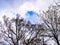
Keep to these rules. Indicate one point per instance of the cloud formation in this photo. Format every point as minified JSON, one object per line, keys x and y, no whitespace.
{"x":22,"y":6}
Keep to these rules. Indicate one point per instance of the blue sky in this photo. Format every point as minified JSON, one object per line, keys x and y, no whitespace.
{"x":32,"y":17}
{"x":5,"y":3}
{"x":31,"y":13}
{"x":11,"y":7}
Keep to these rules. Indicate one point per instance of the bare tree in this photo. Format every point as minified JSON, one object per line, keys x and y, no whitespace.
{"x":51,"y":20}
{"x":15,"y":29}
{"x":12,"y":28}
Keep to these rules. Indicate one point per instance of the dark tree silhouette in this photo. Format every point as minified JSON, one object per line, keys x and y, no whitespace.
{"x":15,"y":30}
{"x":51,"y":20}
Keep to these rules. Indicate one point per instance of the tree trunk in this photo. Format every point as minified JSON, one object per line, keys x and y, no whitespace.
{"x":17,"y":42}
{"x":56,"y":37}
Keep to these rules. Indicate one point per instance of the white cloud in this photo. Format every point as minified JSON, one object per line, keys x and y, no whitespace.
{"x":42,"y":4}
{"x":7,"y":12}
{"x":36,"y":6}
{"x":27,"y":7}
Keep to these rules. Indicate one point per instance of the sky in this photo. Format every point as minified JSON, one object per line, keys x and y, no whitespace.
{"x":28,"y":9}
{"x":11,"y":7}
